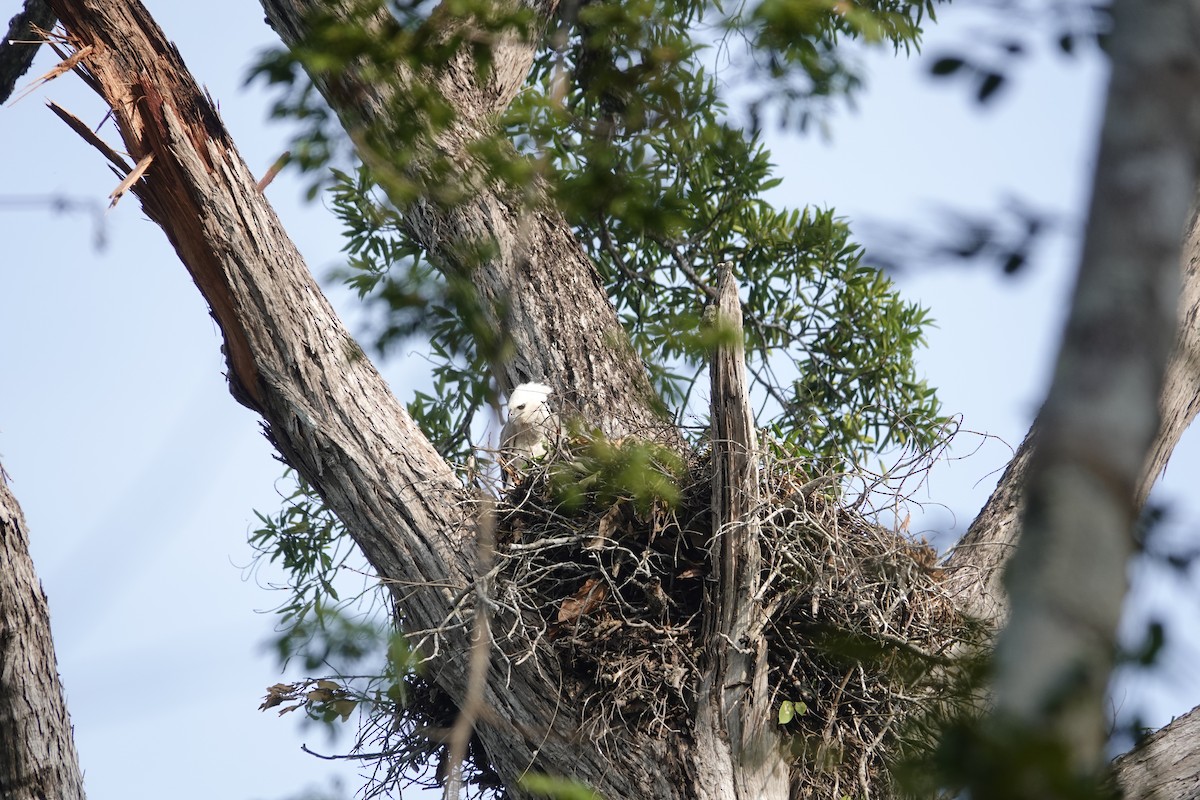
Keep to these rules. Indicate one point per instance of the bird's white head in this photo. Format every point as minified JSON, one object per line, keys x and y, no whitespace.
{"x":527,"y":403}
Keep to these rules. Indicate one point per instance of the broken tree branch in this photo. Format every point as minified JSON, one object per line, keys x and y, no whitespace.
{"x":733,"y":717}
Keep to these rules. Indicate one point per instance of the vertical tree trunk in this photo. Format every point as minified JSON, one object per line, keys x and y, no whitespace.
{"x":738,"y":754}
{"x":37,"y":749}
{"x":1066,"y":582}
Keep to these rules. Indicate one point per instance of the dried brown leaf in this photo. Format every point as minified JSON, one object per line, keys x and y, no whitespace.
{"x":277,"y":694}
{"x":605,"y":529}
{"x":344,"y":708}
{"x":589,"y":596}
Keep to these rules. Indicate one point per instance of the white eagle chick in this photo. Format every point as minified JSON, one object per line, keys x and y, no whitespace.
{"x":530,"y":428}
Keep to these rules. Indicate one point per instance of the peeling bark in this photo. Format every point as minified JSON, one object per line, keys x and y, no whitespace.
{"x":37,"y":747}
{"x":733,"y":718}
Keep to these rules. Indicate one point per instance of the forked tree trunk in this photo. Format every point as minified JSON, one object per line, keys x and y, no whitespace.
{"x":37,"y":749}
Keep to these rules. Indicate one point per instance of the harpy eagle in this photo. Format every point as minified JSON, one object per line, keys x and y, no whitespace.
{"x":529,"y":429}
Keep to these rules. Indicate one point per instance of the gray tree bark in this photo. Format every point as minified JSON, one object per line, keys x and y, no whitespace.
{"x":37,"y":746}
{"x":1166,"y":766}
{"x":536,"y":255}
{"x":1066,"y":580}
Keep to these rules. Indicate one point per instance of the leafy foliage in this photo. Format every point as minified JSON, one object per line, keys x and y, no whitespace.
{"x":662,"y":188}
{"x":346,"y":638}
{"x":1003,"y":762}
{"x":539,"y":785}
{"x":389,"y":271}
{"x":997,"y":52}
{"x":799,"y":53}
{"x":309,"y":544}
{"x":603,"y":472}
{"x":625,"y":127}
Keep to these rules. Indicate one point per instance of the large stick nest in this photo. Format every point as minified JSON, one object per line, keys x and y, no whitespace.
{"x":859,"y":623}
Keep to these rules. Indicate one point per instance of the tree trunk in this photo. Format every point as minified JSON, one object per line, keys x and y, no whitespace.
{"x":1066,"y":580}
{"x":328,"y":411}
{"x":539,"y":273}
{"x":37,"y":747}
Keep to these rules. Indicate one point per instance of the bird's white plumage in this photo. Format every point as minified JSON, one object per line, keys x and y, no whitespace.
{"x":530,"y":425}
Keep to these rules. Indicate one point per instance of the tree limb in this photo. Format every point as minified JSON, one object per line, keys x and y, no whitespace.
{"x":1166,"y":766}
{"x":37,"y":748}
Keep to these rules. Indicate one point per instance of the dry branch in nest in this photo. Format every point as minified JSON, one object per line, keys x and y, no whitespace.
{"x":858,"y":624}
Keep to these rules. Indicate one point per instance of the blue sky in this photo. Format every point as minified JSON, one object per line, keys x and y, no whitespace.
{"x":139,"y":475}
